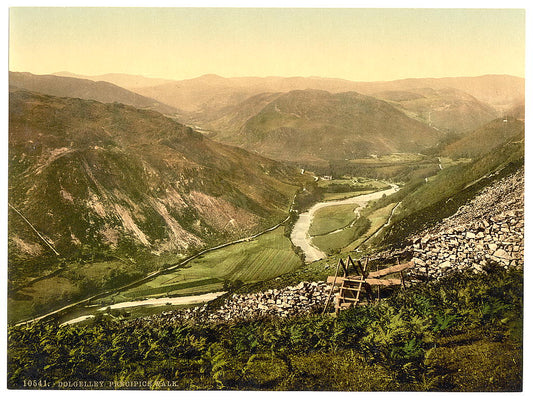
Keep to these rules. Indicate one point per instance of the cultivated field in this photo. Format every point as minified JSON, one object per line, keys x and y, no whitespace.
{"x":329,"y":219}
{"x":263,"y":258}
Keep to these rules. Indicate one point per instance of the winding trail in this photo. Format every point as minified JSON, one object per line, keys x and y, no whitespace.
{"x":300,"y":234}
{"x":160,"y":301}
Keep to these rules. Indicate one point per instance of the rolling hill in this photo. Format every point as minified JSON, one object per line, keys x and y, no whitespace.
{"x":313,"y":125}
{"x":485,"y":139}
{"x":104,"y":92}
{"x":208,"y":94}
{"x":449,"y":110}
{"x":96,"y":178}
{"x":126,"y":81}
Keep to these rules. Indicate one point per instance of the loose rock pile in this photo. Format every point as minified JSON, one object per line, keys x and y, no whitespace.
{"x":488,"y":228}
{"x":292,"y":300}
{"x":302,"y":298}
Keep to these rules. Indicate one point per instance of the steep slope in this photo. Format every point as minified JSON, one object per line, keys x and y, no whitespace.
{"x":449,"y":110}
{"x":312,"y":125}
{"x":486,"y":139}
{"x":84,"y":89}
{"x":488,"y":229}
{"x":427,"y":202}
{"x":97,"y":178}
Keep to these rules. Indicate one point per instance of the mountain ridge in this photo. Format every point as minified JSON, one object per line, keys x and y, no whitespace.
{"x":102,"y":91}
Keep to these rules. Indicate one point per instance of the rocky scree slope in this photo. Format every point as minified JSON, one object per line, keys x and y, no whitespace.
{"x":490,"y":228}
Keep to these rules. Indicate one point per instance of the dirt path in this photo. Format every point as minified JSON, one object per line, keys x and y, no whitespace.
{"x":163,"y":301}
{"x":300,"y":234}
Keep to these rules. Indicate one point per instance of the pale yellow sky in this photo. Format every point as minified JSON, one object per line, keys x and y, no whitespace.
{"x":355,"y":44}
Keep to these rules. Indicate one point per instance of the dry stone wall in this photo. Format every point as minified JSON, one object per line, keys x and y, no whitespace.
{"x":292,"y":300}
{"x":490,"y":228}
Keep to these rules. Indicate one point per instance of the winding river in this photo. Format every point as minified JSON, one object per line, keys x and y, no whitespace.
{"x":299,"y":237}
{"x":300,"y":234}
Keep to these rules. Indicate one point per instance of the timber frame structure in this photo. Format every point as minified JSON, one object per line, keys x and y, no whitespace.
{"x":351,"y":286}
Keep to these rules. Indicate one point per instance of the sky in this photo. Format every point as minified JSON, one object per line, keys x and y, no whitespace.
{"x":354,"y":44}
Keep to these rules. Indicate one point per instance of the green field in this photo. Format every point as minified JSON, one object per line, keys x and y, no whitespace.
{"x":352,"y":236}
{"x":334,"y":242}
{"x":345,"y":195}
{"x":329,"y":219}
{"x":263,"y":258}
{"x":377,"y":218}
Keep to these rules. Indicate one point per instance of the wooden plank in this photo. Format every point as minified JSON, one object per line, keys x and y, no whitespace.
{"x":370,"y":281}
{"x":390,"y":270}
{"x":340,"y":279}
{"x":352,"y":299}
{"x":351,"y":289}
{"x":384,"y":282}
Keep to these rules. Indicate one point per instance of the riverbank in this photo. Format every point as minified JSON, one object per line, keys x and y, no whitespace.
{"x":300,"y":234}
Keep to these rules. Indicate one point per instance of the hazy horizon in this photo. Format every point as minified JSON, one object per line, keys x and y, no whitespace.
{"x":362,"y":45}
{"x":74,"y":74}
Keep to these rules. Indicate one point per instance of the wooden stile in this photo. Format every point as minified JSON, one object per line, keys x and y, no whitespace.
{"x":351,"y":286}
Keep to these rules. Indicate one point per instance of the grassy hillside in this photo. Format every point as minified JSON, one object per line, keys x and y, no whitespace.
{"x":425,"y":203}
{"x":449,"y":110}
{"x":107,"y":179}
{"x":263,"y":258}
{"x":313,"y":125}
{"x":485,"y":139}
{"x":104,"y":92}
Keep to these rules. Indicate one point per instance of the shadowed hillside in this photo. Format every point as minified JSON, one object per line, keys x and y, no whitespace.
{"x":486,"y":138}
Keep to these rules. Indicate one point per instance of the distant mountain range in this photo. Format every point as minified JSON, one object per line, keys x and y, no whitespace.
{"x":210,"y":92}
{"x":126,"y":81}
{"x":193,"y":95}
{"x":104,"y":92}
{"x":115,"y":179}
{"x":316,"y":118}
